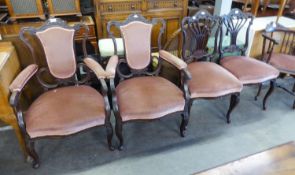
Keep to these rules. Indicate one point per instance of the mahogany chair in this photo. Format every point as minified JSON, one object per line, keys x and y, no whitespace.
{"x":249,"y":71}
{"x":209,"y":80}
{"x":279,"y":51}
{"x":141,"y":94}
{"x":68,"y":105}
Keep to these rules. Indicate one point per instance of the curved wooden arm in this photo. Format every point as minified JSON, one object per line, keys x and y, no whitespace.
{"x":22,"y":78}
{"x":112,"y":66}
{"x":95,"y":67}
{"x":177,"y":62}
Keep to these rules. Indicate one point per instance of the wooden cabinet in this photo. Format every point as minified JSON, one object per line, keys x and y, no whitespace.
{"x":172,"y":11}
{"x":9,"y":68}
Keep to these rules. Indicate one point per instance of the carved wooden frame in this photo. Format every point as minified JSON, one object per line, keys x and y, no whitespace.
{"x":201,"y":25}
{"x":15,"y":96}
{"x":143,"y":72}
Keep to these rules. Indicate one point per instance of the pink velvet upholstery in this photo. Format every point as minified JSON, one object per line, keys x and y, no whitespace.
{"x":210,"y":80}
{"x":249,"y":70}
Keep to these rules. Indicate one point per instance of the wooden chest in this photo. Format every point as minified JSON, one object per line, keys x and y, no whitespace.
{"x":172,"y":11}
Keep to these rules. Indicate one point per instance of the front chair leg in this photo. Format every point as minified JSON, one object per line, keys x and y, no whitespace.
{"x":119,"y":134}
{"x":185,"y":118}
{"x":269,"y":92}
{"x":259,"y":90}
{"x":34,"y":158}
{"x":294,"y":87}
{"x":109,"y":129}
{"x":234,"y":101}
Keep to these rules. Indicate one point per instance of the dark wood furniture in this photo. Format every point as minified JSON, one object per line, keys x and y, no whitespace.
{"x":142,"y":94}
{"x":209,"y":80}
{"x":22,"y":9}
{"x":9,"y":68}
{"x":279,"y":51}
{"x":63,"y":8}
{"x":279,"y":160}
{"x":248,"y":70}
{"x":9,"y":32}
{"x":68,"y":104}
{"x":170,"y":10}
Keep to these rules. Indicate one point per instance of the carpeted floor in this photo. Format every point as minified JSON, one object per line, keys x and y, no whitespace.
{"x":156,"y":147}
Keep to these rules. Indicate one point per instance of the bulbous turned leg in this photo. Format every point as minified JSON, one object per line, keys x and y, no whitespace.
{"x":234,"y":101}
{"x":33,"y":156}
{"x":269,"y":92}
{"x":258,"y":92}
{"x":119,"y":134}
{"x":109,"y":129}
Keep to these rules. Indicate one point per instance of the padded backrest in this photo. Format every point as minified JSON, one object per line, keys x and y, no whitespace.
{"x":137,"y":41}
{"x":58,"y":45}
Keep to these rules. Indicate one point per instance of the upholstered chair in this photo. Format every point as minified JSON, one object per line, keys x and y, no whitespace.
{"x":249,"y":71}
{"x":141,"y":94}
{"x":209,"y":80}
{"x":68,"y":105}
{"x":279,"y":51}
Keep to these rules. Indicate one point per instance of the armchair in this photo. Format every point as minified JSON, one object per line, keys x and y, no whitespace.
{"x":279,"y":51}
{"x":68,"y":105}
{"x":248,"y":70}
{"x":209,"y":80}
{"x":141,"y":94}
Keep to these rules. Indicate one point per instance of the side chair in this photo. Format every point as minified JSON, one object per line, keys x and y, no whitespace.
{"x":68,"y":104}
{"x":141,"y":94}
{"x":249,"y":71}
{"x":209,"y":80}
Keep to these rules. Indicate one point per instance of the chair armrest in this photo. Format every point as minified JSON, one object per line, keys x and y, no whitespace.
{"x":270,"y":38}
{"x":177,"y":62}
{"x":95,"y":67}
{"x":22,"y":78}
{"x":112,"y":66}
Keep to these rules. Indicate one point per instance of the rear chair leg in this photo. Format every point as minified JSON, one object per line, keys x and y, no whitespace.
{"x":234,"y":101}
{"x":259,"y":90}
{"x":269,"y":92}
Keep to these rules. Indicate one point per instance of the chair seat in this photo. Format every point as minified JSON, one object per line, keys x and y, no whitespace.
{"x":65,"y":111}
{"x":285,"y":63}
{"x":148,"y":98}
{"x":210,"y":80}
{"x":249,"y":70}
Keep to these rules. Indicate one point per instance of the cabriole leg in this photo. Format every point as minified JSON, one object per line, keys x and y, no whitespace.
{"x":234,"y":101}
{"x":109,"y":129}
{"x":269,"y":92}
{"x":258,"y":92}
{"x":34,"y":158}
{"x":119,"y":134}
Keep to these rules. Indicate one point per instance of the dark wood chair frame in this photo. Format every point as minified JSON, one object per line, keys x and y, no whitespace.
{"x":202,"y":25}
{"x":287,"y":47}
{"x":74,"y":80}
{"x":143,"y":72}
{"x":233,"y":29}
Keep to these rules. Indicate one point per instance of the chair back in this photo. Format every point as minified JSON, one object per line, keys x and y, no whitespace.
{"x":233,"y":23}
{"x":136,"y":32}
{"x":197,"y":30}
{"x":57,"y":41}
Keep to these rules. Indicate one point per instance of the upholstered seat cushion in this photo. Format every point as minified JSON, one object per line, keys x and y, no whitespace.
{"x":211,"y":80}
{"x":285,"y":63}
{"x":249,"y":70}
{"x":65,"y":111}
{"x":148,"y":98}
